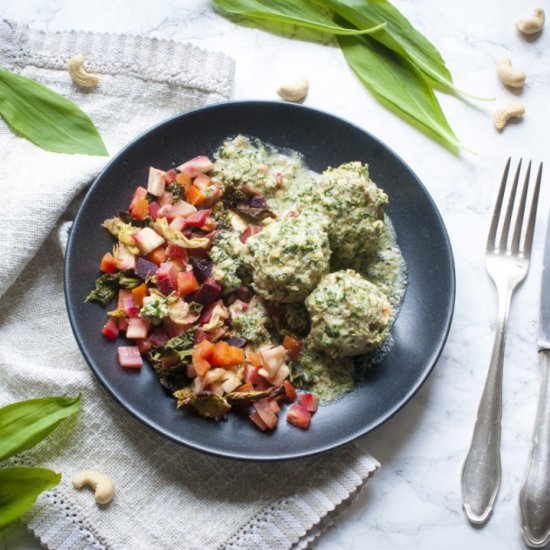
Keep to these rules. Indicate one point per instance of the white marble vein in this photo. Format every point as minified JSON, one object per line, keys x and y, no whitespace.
{"x":415,"y":500}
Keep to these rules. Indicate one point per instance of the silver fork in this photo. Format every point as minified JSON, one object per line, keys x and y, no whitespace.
{"x":507,"y":263}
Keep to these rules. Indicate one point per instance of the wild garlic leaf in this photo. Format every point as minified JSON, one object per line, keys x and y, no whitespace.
{"x":398,"y":35}
{"x":19,"y":487}
{"x":45,"y":118}
{"x":26,"y":423}
{"x":396,"y":84}
{"x":294,"y":12}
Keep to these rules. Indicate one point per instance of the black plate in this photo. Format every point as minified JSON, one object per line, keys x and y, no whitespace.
{"x":419,"y":332}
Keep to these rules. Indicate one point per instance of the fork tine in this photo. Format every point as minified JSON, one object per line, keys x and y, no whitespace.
{"x":508,"y":217}
{"x":532,"y":216}
{"x":498,"y":205}
{"x":514,"y":247}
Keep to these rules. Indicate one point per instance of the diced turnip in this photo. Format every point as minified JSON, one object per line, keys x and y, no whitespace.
{"x":196,"y":166}
{"x":170,"y":175}
{"x":138,"y":328}
{"x":156,"y":182}
{"x":255,"y":417}
{"x":272,"y":360}
{"x":129,"y":357}
{"x":144,"y":268}
{"x":198,"y":218}
{"x":263,"y":408}
{"x":124,"y":259}
{"x":165,"y":211}
{"x":167,"y":198}
{"x":281,"y":375}
{"x":298,"y":416}
{"x":182,"y":208}
{"x":147,"y":240}
{"x":178,"y":223}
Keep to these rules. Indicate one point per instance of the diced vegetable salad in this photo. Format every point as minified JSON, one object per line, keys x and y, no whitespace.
{"x":213,"y":343}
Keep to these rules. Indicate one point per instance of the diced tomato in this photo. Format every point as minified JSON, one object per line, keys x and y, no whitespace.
{"x":290,"y":392}
{"x":140,"y":210}
{"x":195,"y":196}
{"x":224,"y":355}
{"x":170,"y":176}
{"x":129,"y":357}
{"x":198,"y":218}
{"x":167,"y":277}
{"x":108,"y":263}
{"x":293,"y":346}
{"x":309,"y":401}
{"x":249,"y":231}
{"x":139,"y":194}
{"x":110,"y":329}
{"x":255,"y":417}
{"x":130,"y":307}
{"x":157,"y":256}
{"x":202,"y":181}
{"x":139,"y":293}
{"x":187,"y":283}
{"x":154,"y":208}
{"x":264,"y":409}
{"x":201,"y":353}
{"x":298,"y":416}
{"x":137,"y":328}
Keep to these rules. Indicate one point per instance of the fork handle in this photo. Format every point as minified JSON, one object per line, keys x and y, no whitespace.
{"x":534,"y":500}
{"x":481,"y":472}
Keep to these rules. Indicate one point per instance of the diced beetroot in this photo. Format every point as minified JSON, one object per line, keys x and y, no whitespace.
{"x":258,"y":201}
{"x":130,"y":307}
{"x":198,"y":218}
{"x":202,"y":268}
{"x":167,"y":198}
{"x":178,"y":223}
{"x":167,"y":277}
{"x":182,"y":208}
{"x":274,"y":406}
{"x":154,"y":207}
{"x":170,"y":176}
{"x":255,"y":417}
{"x":129,"y":357}
{"x":156,"y":182}
{"x":237,"y":342}
{"x":138,"y":328}
{"x":206,"y":314}
{"x":249,"y":231}
{"x":174,"y":252}
{"x":298,"y":416}
{"x":277,"y":312}
{"x":144,"y":268}
{"x":158,"y":337}
{"x":263,"y":408}
{"x":244,"y":293}
{"x":309,"y":401}
{"x":208,"y":292}
{"x":147,"y":240}
{"x":110,"y":330}
{"x":196,"y":166}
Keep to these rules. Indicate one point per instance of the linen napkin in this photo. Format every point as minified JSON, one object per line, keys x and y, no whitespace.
{"x":167,"y":496}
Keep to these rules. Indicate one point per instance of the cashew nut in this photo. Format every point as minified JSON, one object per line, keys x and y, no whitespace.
{"x":78,"y":73}
{"x":101,"y":483}
{"x":511,"y":109}
{"x":509,"y":75}
{"x":294,"y":90}
{"x":533,"y":24}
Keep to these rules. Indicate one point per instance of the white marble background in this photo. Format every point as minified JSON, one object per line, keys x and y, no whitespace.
{"x":415,"y":501}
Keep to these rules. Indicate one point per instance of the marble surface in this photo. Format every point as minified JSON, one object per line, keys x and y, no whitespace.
{"x":415,"y":500}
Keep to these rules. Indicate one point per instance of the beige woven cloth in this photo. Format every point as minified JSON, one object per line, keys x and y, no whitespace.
{"x":167,"y":496}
